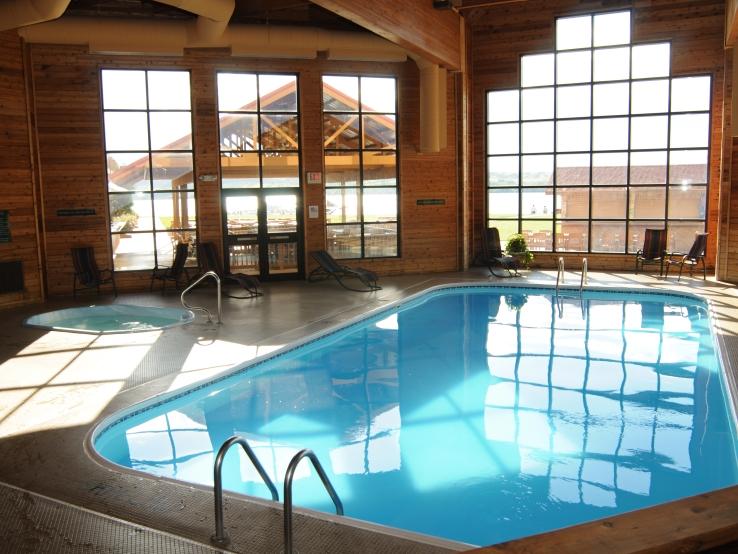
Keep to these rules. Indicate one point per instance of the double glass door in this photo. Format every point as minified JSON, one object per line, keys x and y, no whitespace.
{"x":263,"y":233}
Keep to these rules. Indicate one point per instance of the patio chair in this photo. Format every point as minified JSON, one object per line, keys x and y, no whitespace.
{"x":493,"y":257}
{"x":328,"y":267}
{"x":86,"y":273}
{"x":695,"y":255}
{"x":208,"y":259}
{"x":653,"y":251}
{"x":176,"y":272}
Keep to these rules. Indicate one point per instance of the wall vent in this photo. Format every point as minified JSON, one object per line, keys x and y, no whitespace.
{"x":11,"y":276}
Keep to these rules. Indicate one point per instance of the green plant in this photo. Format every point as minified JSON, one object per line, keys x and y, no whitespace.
{"x":517,"y":246}
{"x":125,"y":217}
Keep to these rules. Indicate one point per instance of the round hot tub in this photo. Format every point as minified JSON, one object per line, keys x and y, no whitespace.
{"x":114,"y":318}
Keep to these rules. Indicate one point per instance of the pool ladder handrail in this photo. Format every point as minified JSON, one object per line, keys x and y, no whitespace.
{"x":560,"y":273}
{"x":193,"y":285}
{"x":583,"y":281}
{"x":220,"y":537}
{"x":289,"y":474}
{"x":584,"y":278}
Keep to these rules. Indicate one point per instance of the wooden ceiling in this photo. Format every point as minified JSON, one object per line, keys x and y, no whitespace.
{"x":253,"y":12}
{"x":257,"y":12}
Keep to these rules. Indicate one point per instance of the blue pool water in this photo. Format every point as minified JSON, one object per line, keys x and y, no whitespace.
{"x":113,"y":318}
{"x":476,"y":414}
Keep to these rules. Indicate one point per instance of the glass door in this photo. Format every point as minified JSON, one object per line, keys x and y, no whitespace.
{"x":242,"y":233}
{"x":262,"y":233}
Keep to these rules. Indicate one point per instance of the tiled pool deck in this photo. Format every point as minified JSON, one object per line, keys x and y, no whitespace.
{"x":55,"y":386}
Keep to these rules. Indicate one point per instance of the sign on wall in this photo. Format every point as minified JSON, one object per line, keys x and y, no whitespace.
{"x":69,"y":212}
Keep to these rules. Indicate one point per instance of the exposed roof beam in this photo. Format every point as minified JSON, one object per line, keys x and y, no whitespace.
{"x":731,"y":23}
{"x":470,"y":4}
{"x":434,"y":35}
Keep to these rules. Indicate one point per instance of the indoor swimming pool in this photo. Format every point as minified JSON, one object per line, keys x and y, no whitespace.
{"x":477,"y":414}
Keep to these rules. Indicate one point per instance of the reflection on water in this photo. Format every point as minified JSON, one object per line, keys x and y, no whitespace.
{"x":479,"y":416}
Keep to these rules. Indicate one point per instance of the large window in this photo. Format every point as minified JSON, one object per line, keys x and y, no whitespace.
{"x":259,"y":146}
{"x":360,"y":147}
{"x":599,"y":143}
{"x":148,"y":148}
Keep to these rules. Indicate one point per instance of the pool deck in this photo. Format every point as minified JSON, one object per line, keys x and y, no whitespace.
{"x":56,"y":386}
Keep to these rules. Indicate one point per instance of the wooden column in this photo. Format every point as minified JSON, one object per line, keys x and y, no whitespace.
{"x":16,"y":172}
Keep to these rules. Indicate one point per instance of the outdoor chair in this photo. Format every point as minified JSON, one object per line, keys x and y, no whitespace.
{"x":695,"y":255}
{"x":654,"y":250}
{"x":86,"y":273}
{"x":176,"y":273}
{"x":328,"y":267}
{"x":209,"y":260}
{"x":493,"y":257}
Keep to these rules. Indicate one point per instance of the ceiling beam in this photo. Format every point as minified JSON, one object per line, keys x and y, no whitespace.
{"x":731,"y":23}
{"x":471,"y":4}
{"x":414,"y":25}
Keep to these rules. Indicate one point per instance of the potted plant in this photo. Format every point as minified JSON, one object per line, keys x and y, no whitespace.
{"x":518,"y":248}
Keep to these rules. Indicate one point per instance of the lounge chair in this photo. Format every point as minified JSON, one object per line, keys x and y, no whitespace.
{"x":328,"y":267}
{"x":654,"y":250}
{"x":86,"y":273}
{"x":209,"y":260}
{"x":176,"y":272}
{"x":493,"y":257}
{"x":695,"y":255}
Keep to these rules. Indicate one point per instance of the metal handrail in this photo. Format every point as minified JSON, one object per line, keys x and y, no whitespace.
{"x":560,"y":305}
{"x":193,"y":285}
{"x":288,"y":492}
{"x":584,"y":278}
{"x":221,"y":538}
{"x":560,"y":273}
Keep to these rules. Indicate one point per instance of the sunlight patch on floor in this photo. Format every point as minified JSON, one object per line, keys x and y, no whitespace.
{"x":56,"y":407}
{"x":103,"y":364}
{"x":207,"y":359}
{"x":66,"y":379}
{"x":35,"y":370}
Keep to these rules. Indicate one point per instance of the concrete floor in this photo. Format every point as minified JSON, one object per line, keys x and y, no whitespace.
{"x":55,"y":387}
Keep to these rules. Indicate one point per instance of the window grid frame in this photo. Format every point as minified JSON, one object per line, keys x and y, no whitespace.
{"x":361,"y":187}
{"x":628,"y":151}
{"x":260,"y":151}
{"x":151,"y":192}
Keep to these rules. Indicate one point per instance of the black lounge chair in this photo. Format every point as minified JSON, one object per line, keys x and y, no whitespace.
{"x":86,"y":272}
{"x":328,"y":267}
{"x":209,"y":260}
{"x":176,"y":272}
{"x":654,"y":250}
{"x":493,"y":257}
{"x":695,"y":255}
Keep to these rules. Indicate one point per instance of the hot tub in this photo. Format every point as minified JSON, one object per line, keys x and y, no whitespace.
{"x":114,"y":318}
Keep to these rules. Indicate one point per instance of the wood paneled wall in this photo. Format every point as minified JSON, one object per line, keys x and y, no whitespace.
{"x":16,"y":172}
{"x":71,"y":152}
{"x":499,"y":35}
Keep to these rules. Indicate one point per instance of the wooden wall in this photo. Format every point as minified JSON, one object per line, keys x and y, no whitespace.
{"x":16,"y":172}
{"x":499,"y":35}
{"x":68,"y":113}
